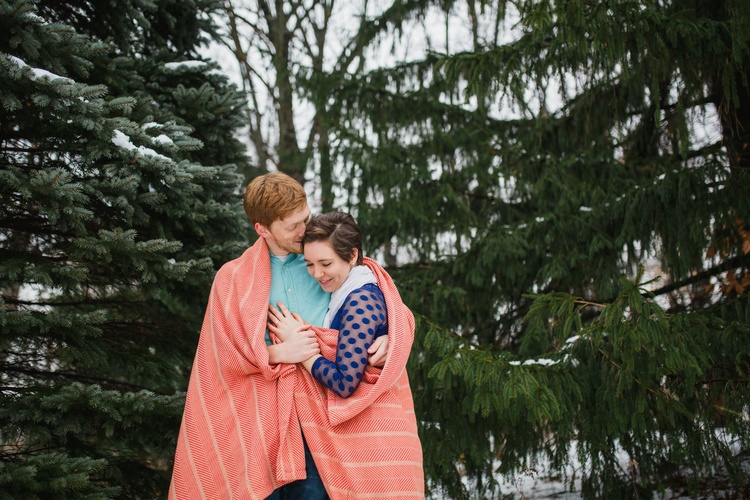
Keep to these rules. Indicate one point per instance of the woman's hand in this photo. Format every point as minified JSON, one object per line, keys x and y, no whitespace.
{"x":298,"y":342}
{"x":297,"y":348}
{"x":283,"y":323}
{"x":378,"y":352}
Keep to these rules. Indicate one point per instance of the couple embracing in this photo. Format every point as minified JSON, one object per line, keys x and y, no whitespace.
{"x":299,"y":387}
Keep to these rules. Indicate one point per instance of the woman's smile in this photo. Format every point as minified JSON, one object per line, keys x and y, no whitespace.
{"x":324,"y":282}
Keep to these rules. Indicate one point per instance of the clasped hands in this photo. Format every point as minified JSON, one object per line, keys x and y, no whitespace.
{"x":299,"y":343}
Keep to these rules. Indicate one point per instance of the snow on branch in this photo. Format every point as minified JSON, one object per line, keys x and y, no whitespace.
{"x":185,"y":64}
{"x":38,"y":73}
{"x":123,"y":141}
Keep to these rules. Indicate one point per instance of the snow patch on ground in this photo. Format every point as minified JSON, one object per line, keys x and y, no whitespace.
{"x":541,"y":482}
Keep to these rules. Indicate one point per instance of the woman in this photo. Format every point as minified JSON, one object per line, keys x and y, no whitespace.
{"x":332,"y":246}
{"x":358,"y":420}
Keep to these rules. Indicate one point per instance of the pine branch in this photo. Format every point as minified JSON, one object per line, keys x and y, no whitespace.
{"x":61,"y":375}
{"x":733,"y":263}
{"x":83,"y":301}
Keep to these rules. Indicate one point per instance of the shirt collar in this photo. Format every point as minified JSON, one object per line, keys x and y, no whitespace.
{"x":276,"y":261}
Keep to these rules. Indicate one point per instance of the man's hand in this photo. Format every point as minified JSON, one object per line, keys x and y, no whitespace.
{"x":378,"y":352}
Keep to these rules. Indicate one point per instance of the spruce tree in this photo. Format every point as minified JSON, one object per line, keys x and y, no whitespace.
{"x":570,"y":216}
{"x":118,"y":200}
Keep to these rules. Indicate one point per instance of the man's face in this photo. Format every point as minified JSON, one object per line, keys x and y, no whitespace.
{"x":284,"y":236}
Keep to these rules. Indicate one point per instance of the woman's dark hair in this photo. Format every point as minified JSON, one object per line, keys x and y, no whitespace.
{"x":340,"y":229}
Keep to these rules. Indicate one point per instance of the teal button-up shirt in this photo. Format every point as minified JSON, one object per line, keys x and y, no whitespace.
{"x":293,"y":286}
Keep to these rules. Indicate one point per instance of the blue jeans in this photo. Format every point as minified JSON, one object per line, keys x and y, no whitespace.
{"x":310,"y":488}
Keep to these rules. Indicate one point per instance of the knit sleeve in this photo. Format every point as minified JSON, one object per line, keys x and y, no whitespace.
{"x":361,"y":316}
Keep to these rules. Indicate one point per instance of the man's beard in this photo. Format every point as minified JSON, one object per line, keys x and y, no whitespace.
{"x":292,"y":248}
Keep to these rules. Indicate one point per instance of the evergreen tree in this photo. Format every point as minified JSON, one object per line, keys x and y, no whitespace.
{"x":568,"y":203}
{"x":118,"y":200}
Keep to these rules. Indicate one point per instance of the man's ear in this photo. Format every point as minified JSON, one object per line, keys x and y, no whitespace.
{"x":261,"y":230}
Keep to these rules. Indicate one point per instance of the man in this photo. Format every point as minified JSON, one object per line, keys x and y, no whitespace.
{"x":240,"y":436}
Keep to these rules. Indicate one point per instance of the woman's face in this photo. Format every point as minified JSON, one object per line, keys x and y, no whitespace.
{"x":326,"y":266}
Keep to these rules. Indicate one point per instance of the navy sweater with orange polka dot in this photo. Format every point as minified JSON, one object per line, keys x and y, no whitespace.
{"x":361,"y":319}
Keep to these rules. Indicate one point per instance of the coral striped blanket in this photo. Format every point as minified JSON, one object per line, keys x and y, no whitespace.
{"x":241,"y":429}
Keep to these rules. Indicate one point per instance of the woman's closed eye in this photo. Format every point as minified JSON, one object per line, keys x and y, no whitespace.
{"x":324,"y":264}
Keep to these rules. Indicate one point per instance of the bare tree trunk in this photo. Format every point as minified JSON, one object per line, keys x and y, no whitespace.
{"x":735,"y":119}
